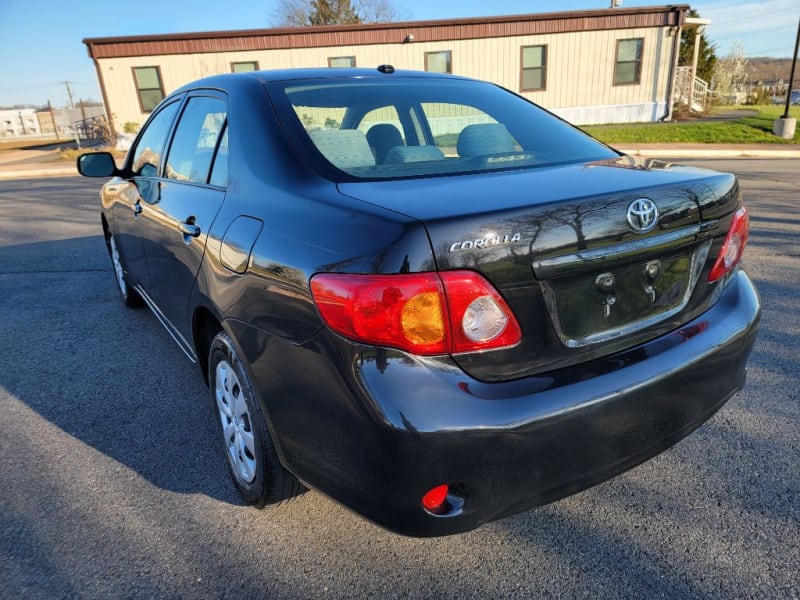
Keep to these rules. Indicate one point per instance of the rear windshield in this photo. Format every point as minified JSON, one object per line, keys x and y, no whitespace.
{"x":396,"y":127}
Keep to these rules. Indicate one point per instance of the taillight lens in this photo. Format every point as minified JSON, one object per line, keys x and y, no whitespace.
{"x":424,"y":313}
{"x":733,"y":246}
{"x":479,"y":317}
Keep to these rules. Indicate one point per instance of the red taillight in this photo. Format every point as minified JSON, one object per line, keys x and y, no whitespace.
{"x":435,"y":499}
{"x":424,"y":313}
{"x":733,"y":247}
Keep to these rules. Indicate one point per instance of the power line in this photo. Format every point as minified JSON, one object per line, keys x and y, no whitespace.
{"x":48,"y":84}
{"x":770,"y":14}
{"x":787,"y":57}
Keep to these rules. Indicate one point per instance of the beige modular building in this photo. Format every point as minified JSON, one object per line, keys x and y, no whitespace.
{"x":594,"y":66}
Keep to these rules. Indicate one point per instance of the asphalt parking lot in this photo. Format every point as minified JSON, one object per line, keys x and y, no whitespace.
{"x":111,"y":485}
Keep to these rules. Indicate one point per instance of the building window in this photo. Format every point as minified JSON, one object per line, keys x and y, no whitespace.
{"x":533,"y":75}
{"x":439,"y":62}
{"x":337,"y":62}
{"x":148,"y":87}
{"x":628,"y":67}
{"x":244,"y":67}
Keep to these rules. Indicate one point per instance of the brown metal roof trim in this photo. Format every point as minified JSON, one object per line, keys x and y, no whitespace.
{"x":385,"y":33}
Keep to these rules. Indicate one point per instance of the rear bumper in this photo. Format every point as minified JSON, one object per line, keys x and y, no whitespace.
{"x":389,"y":427}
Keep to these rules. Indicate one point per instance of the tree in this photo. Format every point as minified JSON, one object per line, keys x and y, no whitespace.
{"x":332,"y":12}
{"x":379,"y":11}
{"x":730,"y":74}
{"x":305,"y":13}
{"x":706,"y":58}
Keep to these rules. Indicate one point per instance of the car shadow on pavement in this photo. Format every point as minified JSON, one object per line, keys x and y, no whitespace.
{"x":105,"y":374}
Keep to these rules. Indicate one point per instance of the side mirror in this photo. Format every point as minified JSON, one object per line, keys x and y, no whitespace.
{"x":97,"y":164}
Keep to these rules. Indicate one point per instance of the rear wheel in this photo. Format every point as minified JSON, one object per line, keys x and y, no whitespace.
{"x":127,"y":293}
{"x":248,"y":447}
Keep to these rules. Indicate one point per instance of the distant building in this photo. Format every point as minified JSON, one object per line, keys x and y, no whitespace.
{"x":71,"y":121}
{"x":17,"y":122}
{"x":594,"y":66}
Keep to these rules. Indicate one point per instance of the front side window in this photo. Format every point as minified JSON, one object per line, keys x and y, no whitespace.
{"x":148,"y":87}
{"x":628,"y":67}
{"x":439,"y":62}
{"x":195,"y":140}
{"x":338,"y":62}
{"x":150,"y":146}
{"x":244,"y":67}
{"x":534,"y":68}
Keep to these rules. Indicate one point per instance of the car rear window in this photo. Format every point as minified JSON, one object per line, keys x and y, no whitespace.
{"x":400,"y":126}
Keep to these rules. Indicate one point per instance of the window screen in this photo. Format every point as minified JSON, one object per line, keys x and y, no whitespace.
{"x":628,"y":67}
{"x":342,"y":61}
{"x":439,"y":62}
{"x":534,"y":68}
{"x":148,"y":87}
{"x":244,"y":67}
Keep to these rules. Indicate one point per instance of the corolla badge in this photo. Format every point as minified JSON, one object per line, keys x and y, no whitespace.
{"x":487,"y":242}
{"x":642,"y":215}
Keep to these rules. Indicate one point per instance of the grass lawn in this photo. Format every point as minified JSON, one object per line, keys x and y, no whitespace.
{"x":756,"y":129}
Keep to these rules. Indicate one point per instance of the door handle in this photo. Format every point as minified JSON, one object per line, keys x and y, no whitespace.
{"x":137,"y":209}
{"x":189,"y":228}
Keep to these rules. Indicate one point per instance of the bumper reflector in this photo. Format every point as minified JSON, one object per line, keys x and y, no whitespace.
{"x":435,"y":500}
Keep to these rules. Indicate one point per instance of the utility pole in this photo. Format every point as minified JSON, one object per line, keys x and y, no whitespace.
{"x":791,"y":76}
{"x":84,"y":128}
{"x":53,"y":118}
{"x":69,"y":93}
{"x":785,"y":126}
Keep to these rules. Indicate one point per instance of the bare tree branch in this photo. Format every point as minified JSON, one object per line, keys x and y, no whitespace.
{"x":305,"y":13}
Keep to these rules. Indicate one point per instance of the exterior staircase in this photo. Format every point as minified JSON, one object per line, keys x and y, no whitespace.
{"x":691,"y":90}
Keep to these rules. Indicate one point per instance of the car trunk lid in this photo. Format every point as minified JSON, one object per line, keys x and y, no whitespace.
{"x":592,"y":258}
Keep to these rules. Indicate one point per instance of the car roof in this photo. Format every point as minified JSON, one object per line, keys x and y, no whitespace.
{"x":232,"y":80}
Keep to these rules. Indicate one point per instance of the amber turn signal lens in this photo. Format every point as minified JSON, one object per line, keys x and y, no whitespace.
{"x":421,"y":319}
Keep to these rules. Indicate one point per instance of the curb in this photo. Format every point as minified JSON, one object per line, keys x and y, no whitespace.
{"x":709,"y":153}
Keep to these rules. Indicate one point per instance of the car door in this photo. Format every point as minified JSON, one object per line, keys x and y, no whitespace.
{"x":127,"y":197}
{"x":191,"y":192}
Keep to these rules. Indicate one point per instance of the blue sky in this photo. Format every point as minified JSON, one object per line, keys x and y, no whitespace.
{"x":40,"y":45}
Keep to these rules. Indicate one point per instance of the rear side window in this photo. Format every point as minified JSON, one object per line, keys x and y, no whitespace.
{"x":150,"y":147}
{"x":196,"y":139}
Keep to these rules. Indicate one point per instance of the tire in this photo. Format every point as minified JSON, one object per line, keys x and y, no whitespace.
{"x":128,"y":295}
{"x":252,"y":459}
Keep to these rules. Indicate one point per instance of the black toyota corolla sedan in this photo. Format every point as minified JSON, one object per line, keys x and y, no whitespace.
{"x":424,"y":296}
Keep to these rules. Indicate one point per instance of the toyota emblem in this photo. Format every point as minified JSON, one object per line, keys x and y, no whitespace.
{"x":642,"y":215}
